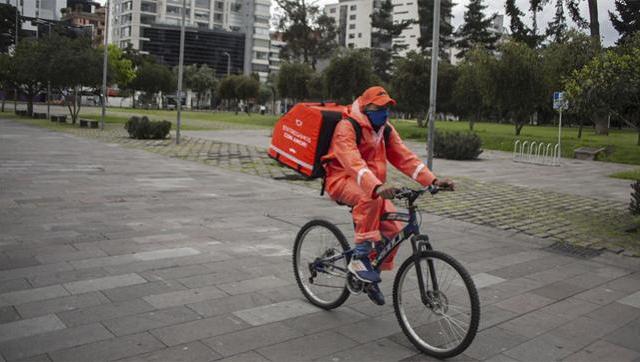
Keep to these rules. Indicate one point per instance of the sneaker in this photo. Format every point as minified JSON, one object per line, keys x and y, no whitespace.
{"x":360,"y":264}
{"x":374,"y":293}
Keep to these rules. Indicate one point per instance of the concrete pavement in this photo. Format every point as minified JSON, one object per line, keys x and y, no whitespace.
{"x":111,"y":253}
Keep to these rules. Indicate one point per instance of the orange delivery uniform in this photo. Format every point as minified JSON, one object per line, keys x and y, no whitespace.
{"x":354,"y":171}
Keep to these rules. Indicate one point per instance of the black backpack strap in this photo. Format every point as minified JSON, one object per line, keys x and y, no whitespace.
{"x":357,"y":128}
{"x":387,"y":134}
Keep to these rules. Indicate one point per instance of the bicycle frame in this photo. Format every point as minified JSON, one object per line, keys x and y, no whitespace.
{"x":419,"y":243}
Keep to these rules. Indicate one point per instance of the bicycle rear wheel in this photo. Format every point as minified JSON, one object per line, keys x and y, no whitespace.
{"x":323,"y":284}
{"x":444,"y":323}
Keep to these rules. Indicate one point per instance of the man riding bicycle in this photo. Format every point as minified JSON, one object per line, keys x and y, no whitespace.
{"x":356,"y":174}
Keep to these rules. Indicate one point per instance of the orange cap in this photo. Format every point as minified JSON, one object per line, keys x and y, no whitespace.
{"x":378,"y":96}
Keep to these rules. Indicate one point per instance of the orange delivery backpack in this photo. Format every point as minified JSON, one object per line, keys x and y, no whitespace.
{"x":303,"y":135}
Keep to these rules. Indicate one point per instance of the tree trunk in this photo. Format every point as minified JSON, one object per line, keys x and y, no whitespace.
{"x":601,"y":124}
{"x":580,"y":128}
{"x":3,"y":101}
{"x":638,"y":142}
{"x":519,"y":127}
{"x":594,"y":26}
{"x":29,"y":104}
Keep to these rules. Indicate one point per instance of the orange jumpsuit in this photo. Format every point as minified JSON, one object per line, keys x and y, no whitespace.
{"x":354,"y":171}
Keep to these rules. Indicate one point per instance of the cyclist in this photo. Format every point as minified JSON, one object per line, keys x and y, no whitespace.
{"x":356,"y":176}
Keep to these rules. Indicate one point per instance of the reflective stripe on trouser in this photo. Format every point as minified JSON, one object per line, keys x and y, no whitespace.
{"x":366,"y":213}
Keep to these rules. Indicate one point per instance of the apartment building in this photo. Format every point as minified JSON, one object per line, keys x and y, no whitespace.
{"x":212,"y":25}
{"x":37,"y":9}
{"x":353,"y":20}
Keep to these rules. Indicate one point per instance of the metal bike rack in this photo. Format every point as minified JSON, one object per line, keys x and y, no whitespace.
{"x":538,"y":153}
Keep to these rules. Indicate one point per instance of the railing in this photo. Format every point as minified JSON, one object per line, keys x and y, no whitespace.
{"x":536,"y":152}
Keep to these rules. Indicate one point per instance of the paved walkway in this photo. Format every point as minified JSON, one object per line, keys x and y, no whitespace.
{"x":112,"y":253}
{"x":575,"y":177}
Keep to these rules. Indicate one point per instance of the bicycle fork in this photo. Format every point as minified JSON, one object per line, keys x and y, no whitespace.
{"x":420,"y":243}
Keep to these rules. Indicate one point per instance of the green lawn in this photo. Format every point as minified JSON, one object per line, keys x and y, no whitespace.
{"x":494,"y":136}
{"x":502,"y":137}
{"x":628,"y":175}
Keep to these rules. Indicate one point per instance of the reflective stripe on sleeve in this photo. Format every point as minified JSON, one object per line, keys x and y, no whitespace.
{"x":417,"y":171}
{"x":361,"y":173}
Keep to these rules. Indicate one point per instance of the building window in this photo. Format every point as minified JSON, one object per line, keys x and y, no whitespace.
{"x":217,"y":17}
{"x":352,"y":17}
{"x":262,"y":9}
{"x":353,"y":7}
{"x":203,"y":4}
{"x":332,"y":11}
{"x":351,"y":45}
{"x":261,"y":31}
{"x":203,"y":25}
{"x":173,"y":10}
{"x":351,"y":36}
{"x":352,"y":26}
{"x":261,"y":43}
{"x":126,"y":31}
{"x":202,"y":16}
{"x":125,"y":19}
{"x":236,"y":7}
{"x":148,"y":7}
{"x":219,"y":5}
{"x":359,"y":35}
{"x":126,"y":6}
{"x":260,"y":55}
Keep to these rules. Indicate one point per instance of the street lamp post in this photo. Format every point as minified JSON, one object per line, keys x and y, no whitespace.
{"x":180,"y":66}
{"x":435,"y":45}
{"x":105,"y":62}
{"x":228,"y":63}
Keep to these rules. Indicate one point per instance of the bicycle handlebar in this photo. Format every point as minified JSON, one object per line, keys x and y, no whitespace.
{"x":411,"y":194}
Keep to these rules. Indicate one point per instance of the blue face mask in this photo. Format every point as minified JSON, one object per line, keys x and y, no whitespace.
{"x":379,"y":117}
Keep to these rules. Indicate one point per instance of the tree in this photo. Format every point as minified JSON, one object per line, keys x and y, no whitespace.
{"x":561,"y":59}
{"x":247,"y":88}
{"x":519,"y":31}
{"x":384,"y":30}
{"x":609,"y":83}
{"x":27,"y":63}
{"x":592,"y":24}
{"x":447,"y":77}
{"x":309,"y":34}
{"x":627,"y":22}
{"x":71,"y":66}
{"x":121,"y":71}
{"x":474,"y":89}
{"x":348,"y":75}
{"x":227,"y":89}
{"x":425,"y":19}
{"x":152,"y":78}
{"x":200,"y":80}
{"x":316,"y":87}
{"x":293,"y":80}
{"x":475,"y":30}
{"x":409,"y":85}
{"x":8,"y":16}
{"x":6,"y":76}
{"x":557,"y":28}
{"x":518,"y":83}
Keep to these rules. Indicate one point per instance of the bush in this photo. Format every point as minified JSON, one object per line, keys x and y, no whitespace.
{"x":456,"y":145}
{"x":142,"y":128}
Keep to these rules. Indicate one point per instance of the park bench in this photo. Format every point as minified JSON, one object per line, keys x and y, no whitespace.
{"x":39,"y":115}
{"x":587,"y":153}
{"x":21,"y":112}
{"x":58,"y":118}
{"x":88,"y":123}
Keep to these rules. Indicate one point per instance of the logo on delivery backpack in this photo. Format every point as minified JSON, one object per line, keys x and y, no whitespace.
{"x":298,"y":122}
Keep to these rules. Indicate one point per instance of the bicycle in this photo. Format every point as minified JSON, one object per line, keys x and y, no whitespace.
{"x":427,"y":281}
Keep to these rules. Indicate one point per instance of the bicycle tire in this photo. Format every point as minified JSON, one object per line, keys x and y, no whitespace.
{"x":473,"y":299}
{"x":318,"y":223}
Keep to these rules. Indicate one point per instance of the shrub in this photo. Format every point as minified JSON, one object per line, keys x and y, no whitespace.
{"x":456,"y":145}
{"x":143,"y":128}
{"x":634,"y":206}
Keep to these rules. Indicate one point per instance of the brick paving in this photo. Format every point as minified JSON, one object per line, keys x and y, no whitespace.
{"x":109,"y":252}
{"x":554,"y":216}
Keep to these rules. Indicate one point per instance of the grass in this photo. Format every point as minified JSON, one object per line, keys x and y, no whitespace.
{"x":494,"y":136}
{"x":502,"y":137}
{"x":633,"y":175}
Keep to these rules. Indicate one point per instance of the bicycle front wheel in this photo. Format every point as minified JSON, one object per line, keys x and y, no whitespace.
{"x":443,"y":321}
{"x":324,"y":284}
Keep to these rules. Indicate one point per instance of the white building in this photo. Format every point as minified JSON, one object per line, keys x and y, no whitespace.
{"x":353,"y":20}
{"x":407,"y":10}
{"x":129,"y":18}
{"x":39,"y":9}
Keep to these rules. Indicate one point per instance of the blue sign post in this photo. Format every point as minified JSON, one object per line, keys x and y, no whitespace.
{"x":559,"y":104}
